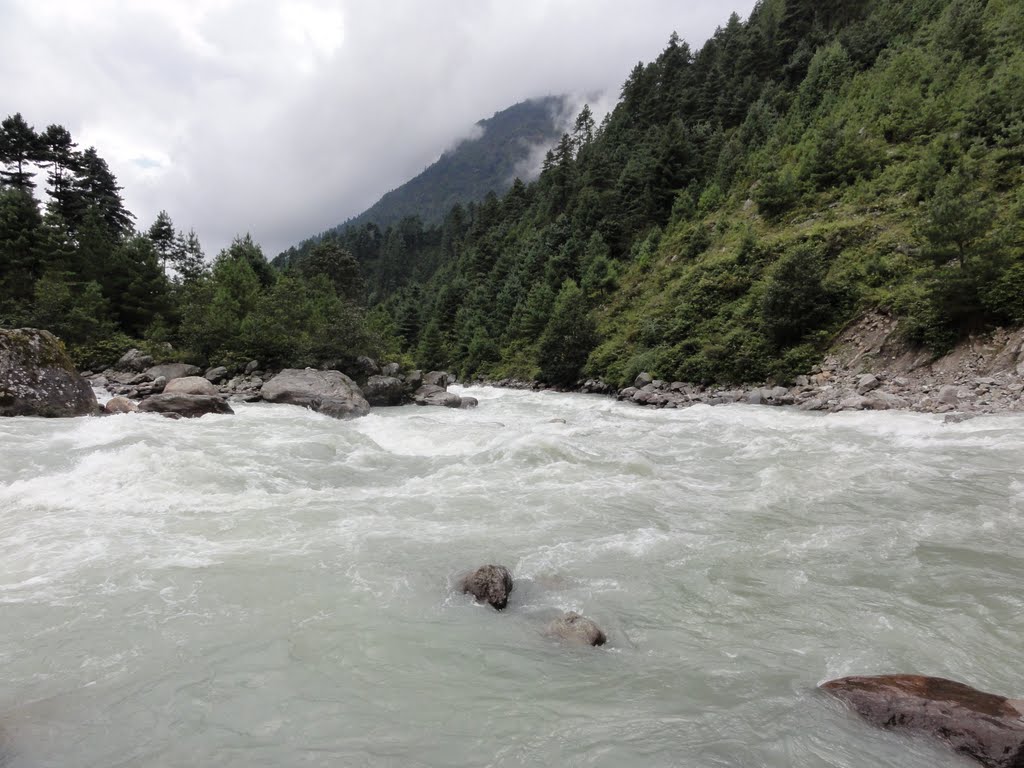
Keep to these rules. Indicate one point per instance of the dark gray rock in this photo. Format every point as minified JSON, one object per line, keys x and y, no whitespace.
{"x":577,"y":630}
{"x":252,"y":365}
{"x":489,"y":584}
{"x":867,"y":383}
{"x":366,"y":367}
{"x":120,"y":404}
{"x":949,"y":394}
{"x":187,"y":406}
{"x":439,"y":379}
{"x":134,"y":360}
{"x":391,"y":369}
{"x":431,"y":394}
{"x":172,"y":371}
{"x":216,"y":375}
{"x":331,"y":393}
{"x":384,"y":391}
{"x":643,"y":380}
{"x":190,"y":385}
{"x":414,"y":379}
{"x":37,"y":378}
{"x":983,"y":726}
{"x":468,"y":402}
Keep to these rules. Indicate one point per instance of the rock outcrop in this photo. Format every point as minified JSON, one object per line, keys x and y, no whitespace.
{"x":331,"y":393}
{"x":37,"y":378}
{"x":489,"y":584}
{"x":186,"y":406}
{"x":576,"y":630}
{"x":984,"y":726}
{"x":190,"y":385}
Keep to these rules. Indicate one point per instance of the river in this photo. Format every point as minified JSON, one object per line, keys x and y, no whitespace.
{"x":274,"y":588}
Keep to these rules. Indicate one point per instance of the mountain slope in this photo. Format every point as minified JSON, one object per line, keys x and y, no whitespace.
{"x":743,"y":203}
{"x":474,"y":167}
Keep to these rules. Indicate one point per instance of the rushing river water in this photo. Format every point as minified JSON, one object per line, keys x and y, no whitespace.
{"x":274,"y":588}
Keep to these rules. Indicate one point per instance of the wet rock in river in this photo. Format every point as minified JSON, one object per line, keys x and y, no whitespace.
{"x":577,"y":630}
{"x":984,"y":726}
{"x":489,"y":584}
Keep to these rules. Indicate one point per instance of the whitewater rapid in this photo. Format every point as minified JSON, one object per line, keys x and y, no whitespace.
{"x":274,"y":588}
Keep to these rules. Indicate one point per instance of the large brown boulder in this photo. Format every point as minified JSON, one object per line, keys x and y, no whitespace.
{"x":576,"y":630}
{"x":983,"y":726}
{"x":331,"y":393}
{"x":37,"y":378}
{"x":188,"y":406}
{"x":489,"y":584}
{"x":190,"y":385}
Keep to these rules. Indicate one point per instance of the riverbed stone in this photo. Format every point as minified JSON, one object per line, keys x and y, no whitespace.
{"x":431,"y":394}
{"x":984,"y":726}
{"x":491,"y":584}
{"x":468,"y":402}
{"x":37,"y":378}
{"x":328,"y":392}
{"x":949,"y":394}
{"x":384,"y":391}
{"x":179,"y":405}
{"x":190,"y":385}
{"x":576,"y":630}
{"x":642,"y":380}
{"x":120,"y":404}
{"x":216,"y":375}
{"x":172,"y":371}
{"x":134,"y":360}
{"x":439,"y":379}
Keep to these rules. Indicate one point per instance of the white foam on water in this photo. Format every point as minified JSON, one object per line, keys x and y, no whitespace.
{"x":291,"y":576}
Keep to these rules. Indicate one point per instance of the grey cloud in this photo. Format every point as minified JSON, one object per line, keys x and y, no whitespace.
{"x":219,"y":114}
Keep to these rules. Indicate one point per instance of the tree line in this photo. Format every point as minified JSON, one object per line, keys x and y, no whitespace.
{"x":739,"y":206}
{"x":77,"y":266}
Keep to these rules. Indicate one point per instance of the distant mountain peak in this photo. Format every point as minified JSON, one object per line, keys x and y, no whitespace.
{"x":508,"y":144}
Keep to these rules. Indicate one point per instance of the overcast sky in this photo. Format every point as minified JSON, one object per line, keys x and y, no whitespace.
{"x":285,"y":118}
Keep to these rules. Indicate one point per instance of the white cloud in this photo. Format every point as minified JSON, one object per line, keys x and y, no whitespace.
{"x":285,"y":118}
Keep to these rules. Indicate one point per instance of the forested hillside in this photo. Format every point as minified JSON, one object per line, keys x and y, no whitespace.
{"x":741,"y":204}
{"x":73,"y":263}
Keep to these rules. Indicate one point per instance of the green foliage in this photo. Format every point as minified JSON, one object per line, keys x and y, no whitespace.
{"x":567,"y":339}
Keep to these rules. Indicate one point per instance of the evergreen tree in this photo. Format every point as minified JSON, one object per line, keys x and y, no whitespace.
{"x":163,"y":237}
{"x":97,"y":188}
{"x":20,"y":147}
{"x":567,"y":339}
{"x":60,"y":155}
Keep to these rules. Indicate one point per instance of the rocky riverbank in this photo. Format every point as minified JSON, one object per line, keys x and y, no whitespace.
{"x":868,"y":368}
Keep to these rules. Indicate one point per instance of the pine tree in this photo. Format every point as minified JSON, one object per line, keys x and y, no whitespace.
{"x":96,"y":187}
{"x":163,"y":237}
{"x":20,"y":147}
{"x":59,"y":155}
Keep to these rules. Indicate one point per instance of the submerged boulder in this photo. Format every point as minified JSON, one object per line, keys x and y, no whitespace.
{"x":120,"y":404}
{"x":432,"y":394}
{"x":187,"y":406}
{"x":489,"y":584}
{"x":983,"y":726}
{"x":577,"y":630}
{"x":331,"y":393}
{"x":190,"y":385}
{"x":37,"y":378}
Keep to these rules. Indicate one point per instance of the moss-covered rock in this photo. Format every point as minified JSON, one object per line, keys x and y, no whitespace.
{"x":37,"y":378}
